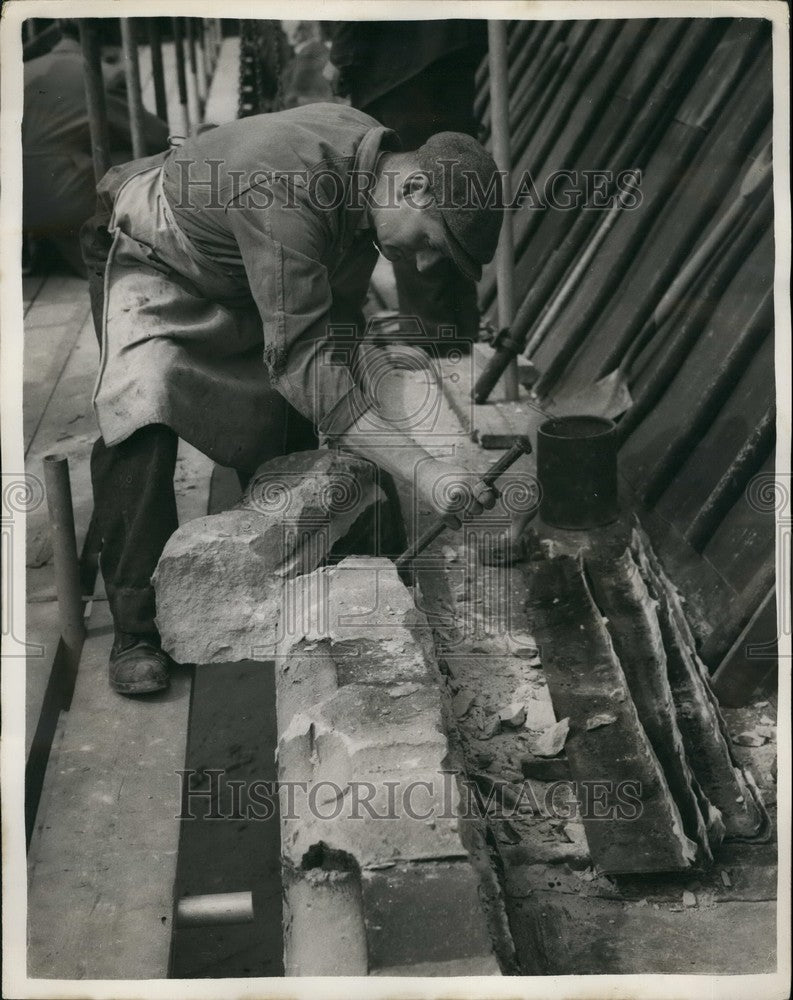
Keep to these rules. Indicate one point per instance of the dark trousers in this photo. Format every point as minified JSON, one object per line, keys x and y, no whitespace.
{"x":134,"y":499}
{"x":135,"y":511}
{"x":438,"y":99}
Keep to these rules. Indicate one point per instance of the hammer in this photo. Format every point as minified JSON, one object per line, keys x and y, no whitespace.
{"x":522,"y":447}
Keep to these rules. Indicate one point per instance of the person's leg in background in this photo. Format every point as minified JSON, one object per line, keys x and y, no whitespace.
{"x":135,"y":511}
{"x":438,"y":99}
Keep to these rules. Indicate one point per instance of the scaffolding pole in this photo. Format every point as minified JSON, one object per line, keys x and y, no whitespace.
{"x":134,"y":98}
{"x":505,"y":255}
{"x":95,"y":96}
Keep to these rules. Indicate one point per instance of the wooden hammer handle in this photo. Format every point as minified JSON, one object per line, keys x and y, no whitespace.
{"x":498,"y":468}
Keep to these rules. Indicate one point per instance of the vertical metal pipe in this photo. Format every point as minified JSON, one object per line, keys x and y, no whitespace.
{"x":216,"y":35}
{"x":134,"y":98}
{"x":181,"y":76}
{"x":64,"y":548}
{"x":193,"y":94}
{"x":157,"y":72}
{"x":505,"y":255}
{"x":209,"y":33}
{"x":203,"y":59}
{"x":95,"y":96}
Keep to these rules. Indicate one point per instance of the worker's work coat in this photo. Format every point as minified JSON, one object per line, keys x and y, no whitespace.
{"x":224,"y":281}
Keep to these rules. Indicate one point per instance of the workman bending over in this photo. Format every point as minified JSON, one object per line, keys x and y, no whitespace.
{"x":217,"y":270}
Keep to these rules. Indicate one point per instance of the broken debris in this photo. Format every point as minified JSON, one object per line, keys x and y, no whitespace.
{"x":550,"y":742}
{"x":492,"y":725}
{"x":461,"y":703}
{"x":513,"y":715}
{"x":750,"y":739}
{"x":601,"y":719}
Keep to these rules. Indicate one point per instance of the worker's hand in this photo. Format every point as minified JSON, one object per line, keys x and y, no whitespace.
{"x":454,"y":492}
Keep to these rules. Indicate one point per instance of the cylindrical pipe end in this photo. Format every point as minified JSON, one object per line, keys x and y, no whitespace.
{"x":577,"y":471}
{"x":215,"y":908}
{"x":64,"y":548}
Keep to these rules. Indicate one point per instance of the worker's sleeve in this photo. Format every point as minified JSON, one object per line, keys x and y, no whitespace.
{"x":282,"y":250}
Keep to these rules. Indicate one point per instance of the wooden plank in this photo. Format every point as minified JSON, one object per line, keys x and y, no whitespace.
{"x":549,"y":148}
{"x":746,"y":538}
{"x":232,"y":729}
{"x":619,"y":142}
{"x":585,"y":678}
{"x":701,"y":471}
{"x":622,"y":597}
{"x":732,"y":317}
{"x":596,"y":936}
{"x":31,"y":286}
{"x":704,"y":731}
{"x":750,"y":667}
{"x":676,"y":236}
{"x":103,"y":857}
{"x":624,"y":251}
{"x":68,"y":427}
{"x":51,"y":331}
{"x":716,"y":387}
{"x":595,"y":93}
{"x":42,"y":627}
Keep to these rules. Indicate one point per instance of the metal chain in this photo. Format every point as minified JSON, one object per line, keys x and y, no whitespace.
{"x":261,"y":86}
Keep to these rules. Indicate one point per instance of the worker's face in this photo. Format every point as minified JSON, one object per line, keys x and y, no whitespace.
{"x":411,"y":228}
{"x":112,"y":67}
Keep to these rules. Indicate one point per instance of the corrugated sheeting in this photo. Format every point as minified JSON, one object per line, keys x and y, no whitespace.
{"x":687,"y":102}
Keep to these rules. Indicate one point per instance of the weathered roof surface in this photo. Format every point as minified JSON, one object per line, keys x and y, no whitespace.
{"x":688,"y":103}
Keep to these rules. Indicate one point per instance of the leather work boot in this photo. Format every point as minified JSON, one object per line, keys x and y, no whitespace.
{"x":138,"y":665}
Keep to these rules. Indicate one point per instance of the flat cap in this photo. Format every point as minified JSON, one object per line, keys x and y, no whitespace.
{"x":467,"y":188}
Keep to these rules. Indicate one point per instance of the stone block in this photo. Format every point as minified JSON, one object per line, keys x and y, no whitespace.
{"x":360,"y":598}
{"x":377,"y":785}
{"x":368,"y":777}
{"x":426,"y":919}
{"x":220,"y":580}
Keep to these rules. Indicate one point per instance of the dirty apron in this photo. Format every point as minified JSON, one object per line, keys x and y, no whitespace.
{"x":182,"y":341}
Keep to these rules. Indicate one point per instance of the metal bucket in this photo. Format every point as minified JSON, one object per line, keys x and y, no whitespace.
{"x":577,"y":471}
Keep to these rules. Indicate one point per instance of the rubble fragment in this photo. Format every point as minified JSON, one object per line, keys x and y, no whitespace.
{"x":513,"y":715}
{"x":550,"y":742}
{"x":461,"y":703}
{"x":601,"y":719}
{"x":750,"y":739}
{"x":490,"y":728}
